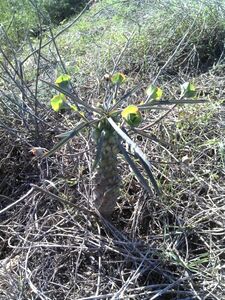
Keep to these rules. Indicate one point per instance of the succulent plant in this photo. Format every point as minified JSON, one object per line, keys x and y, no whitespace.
{"x":110,"y":124}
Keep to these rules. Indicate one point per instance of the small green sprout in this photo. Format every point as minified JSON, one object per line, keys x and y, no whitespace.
{"x":58,"y":102}
{"x":153,"y":92}
{"x":63,"y":81}
{"x":118,"y":78}
{"x":188,"y":90}
{"x":132,"y":115}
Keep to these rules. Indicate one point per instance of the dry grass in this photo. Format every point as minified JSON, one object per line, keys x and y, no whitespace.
{"x":168,"y":248}
{"x":54,"y":245}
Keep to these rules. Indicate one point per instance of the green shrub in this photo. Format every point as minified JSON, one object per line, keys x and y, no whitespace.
{"x":20,"y":18}
{"x":59,"y":10}
{"x":17,"y":17}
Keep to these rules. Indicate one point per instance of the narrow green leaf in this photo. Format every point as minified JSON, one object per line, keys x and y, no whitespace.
{"x":99,"y":150}
{"x":171,"y":102}
{"x":138,"y":174}
{"x":64,"y":134}
{"x":134,"y":147}
{"x":147,"y":168}
{"x":108,"y":101}
{"x":69,"y":136}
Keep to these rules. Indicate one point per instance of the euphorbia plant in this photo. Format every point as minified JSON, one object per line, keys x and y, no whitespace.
{"x":111,"y":124}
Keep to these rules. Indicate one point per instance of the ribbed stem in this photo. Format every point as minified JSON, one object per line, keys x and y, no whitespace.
{"x":107,"y":180}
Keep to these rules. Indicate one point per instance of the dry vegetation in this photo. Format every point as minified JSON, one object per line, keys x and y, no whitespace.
{"x":53,"y":244}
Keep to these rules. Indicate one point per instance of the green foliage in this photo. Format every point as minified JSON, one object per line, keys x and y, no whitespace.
{"x":174,"y":154}
{"x":59,"y":10}
{"x":105,"y":121}
{"x":106,"y":27}
{"x":17,"y":17}
{"x":20,"y":18}
{"x":63,"y":81}
{"x":132,"y":115}
{"x":65,"y":78}
{"x":153,"y":92}
{"x":188,"y":90}
{"x":118,"y":78}
{"x":58,"y":102}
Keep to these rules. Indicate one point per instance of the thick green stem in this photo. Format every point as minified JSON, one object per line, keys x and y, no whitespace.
{"x":107,"y":179}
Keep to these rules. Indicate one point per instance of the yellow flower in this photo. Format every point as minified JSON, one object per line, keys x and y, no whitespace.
{"x":63,"y":79}
{"x":118,"y":78}
{"x":132,"y":115}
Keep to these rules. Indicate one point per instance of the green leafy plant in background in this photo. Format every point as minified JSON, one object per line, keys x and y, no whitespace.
{"x":21,"y":18}
{"x":58,"y":10}
{"x":16,"y":19}
{"x":111,"y":123}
